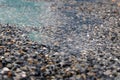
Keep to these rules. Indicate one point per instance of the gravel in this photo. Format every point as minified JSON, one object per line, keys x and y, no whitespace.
{"x":85,"y":47}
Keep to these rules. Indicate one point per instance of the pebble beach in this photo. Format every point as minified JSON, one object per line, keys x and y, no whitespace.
{"x":80,"y":40}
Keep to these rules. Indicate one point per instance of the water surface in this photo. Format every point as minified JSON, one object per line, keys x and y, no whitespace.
{"x":21,"y":12}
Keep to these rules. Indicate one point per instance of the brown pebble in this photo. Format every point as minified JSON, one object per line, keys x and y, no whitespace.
{"x":30,"y":60}
{"x":1,"y":65}
{"x":68,"y":74}
{"x":9,"y":73}
{"x":36,"y":62}
{"x":21,"y":51}
{"x":83,"y":76}
{"x":43,"y":68}
{"x":2,"y":46}
{"x":13,"y":41}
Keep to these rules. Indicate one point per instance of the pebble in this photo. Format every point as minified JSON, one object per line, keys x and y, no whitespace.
{"x":30,"y":60}
{"x":24,"y":68}
{"x":85,"y":47}
{"x":6,"y":54}
{"x":78,"y":77}
{"x":23,"y":74}
{"x":5,"y":69}
{"x":9,"y":74}
{"x":108,"y":72}
{"x":9,"y":66}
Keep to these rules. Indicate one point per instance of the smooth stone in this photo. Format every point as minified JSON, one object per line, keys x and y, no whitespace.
{"x":23,"y":74}
{"x":9,"y":65}
{"x":8,"y":60}
{"x":78,"y":76}
{"x":25,"y":68}
{"x":30,"y":60}
{"x":5,"y":69}
{"x":18,"y":70}
{"x":108,"y":72}
{"x":9,"y":74}
{"x":6,"y":54}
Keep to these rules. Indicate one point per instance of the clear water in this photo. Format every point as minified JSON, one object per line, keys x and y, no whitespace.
{"x":25,"y":13}
{"x":38,"y":14}
{"x":30,"y":13}
{"x":21,"y":12}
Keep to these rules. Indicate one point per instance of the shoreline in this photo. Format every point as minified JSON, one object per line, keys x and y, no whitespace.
{"x":74,"y":51}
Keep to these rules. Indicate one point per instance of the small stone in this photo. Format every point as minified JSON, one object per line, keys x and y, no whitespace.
{"x":8,"y":60}
{"x":91,"y":73}
{"x":43,"y":68}
{"x":84,"y":52}
{"x":24,"y":68}
{"x":2,"y":57}
{"x":78,"y":76}
{"x":32,"y":78}
{"x":83,"y":76}
{"x":5,"y":69}
{"x":5,"y":76}
{"x":2,"y":47}
{"x":52,"y":77}
{"x":23,"y":74}
{"x":9,"y":73}
{"x":30,"y":60}
{"x":1,"y":65}
{"x":18,"y":70}
{"x":9,"y":65}
{"x":68,"y":69}
{"x":108,"y":72}
{"x":56,"y":53}
{"x":1,"y":51}
{"x":21,"y":51}
{"x":6,"y":54}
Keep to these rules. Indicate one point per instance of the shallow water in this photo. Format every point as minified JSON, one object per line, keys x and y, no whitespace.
{"x":21,"y":12}
{"x":25,"y":13}
{"x":30,"y":13}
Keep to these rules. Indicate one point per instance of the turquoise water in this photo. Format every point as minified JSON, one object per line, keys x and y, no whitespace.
{"x":21,"y":12}
{"x":24,"y":13}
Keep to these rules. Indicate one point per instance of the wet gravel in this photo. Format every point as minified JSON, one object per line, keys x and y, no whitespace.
{"x":86,"y":46}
